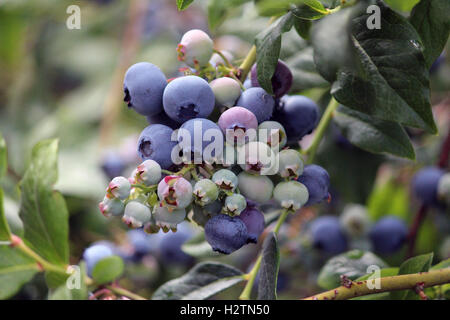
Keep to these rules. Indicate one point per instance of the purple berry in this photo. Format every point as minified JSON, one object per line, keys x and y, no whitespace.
{"x":327,"y":236}
{"x":281,"y":79}
{"x":258,"y":101}
{"x":388,"y":235}
{"x":425,"y":183}
{"x":155,"y":143}
{"x":226,"y":234}
{"x":317,"y":181}
{"x":239,"y":125}
{"x":254,"y":221}
{"x":163,"y":118}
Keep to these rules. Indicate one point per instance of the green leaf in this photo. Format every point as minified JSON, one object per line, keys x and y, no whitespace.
{"x":79,"y":290}
{"x":402,"y":5}
{"x":108,"y":269}
{"x":416,"y":264}
{"x":307,"y":9}
{"x":310,"y":10}
{"x":217,"y":10}
{"x":268,"y":274}
{"x":43,"y":211}
{"x":441,"y":265}
{"x":374,"y":135}
{"x":302,"y":27}
{"x":352,"y":264}
{"x":16,"y":269}
{"x":268,"y":45}
{"x":201,"y":282}
{"x":5,"y":233}
{"x":388,"y":197}
{"x":432,"y":22}
{"x":3,"y":157}
{"x":198,"y":247}
{"x":392,"y":79}
{"x":183,"y":4}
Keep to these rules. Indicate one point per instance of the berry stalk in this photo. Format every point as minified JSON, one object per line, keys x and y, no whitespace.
{"x":387,"y":284}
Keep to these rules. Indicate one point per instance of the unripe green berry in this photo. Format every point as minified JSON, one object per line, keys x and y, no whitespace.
{"x":443,"y":190}
{"x":291,"y":195}
{"x":166,"y":219}
{"x":234,"y":204}
{"x":225,"y":179}
{"x":148,"y":173}
{"x":119,"y":187}
{"x":205,"y":192}
{"x":355,"y":220}
{"x":111,"y":207}
{"x":136,"y":214}
{"x":255,"y":187}
{"x":290,"y":163}
{"x":272,"y":133}
{"x":175,"y":192}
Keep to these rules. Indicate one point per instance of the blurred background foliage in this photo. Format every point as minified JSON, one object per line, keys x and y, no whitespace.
{"x":56,"y":82}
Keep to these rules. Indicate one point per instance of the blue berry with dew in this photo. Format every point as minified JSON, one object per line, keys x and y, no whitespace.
{"x":355,"y":220}
{"x":175,"y":192}
{"x":234,"y":204}
{"x":281,"y":79}
{"x":425,"y":184}
{"x":299,"y":116}
{"x":290,"y":163}
{"x":197,"y":139}
{"x":226,"y":180}
{"x":327,"y":235}
{"x":112,"y":164}
{"x":317,"y":181}
{"x":155,"y":143}
{"x":226,"y":234}
{"x":187,"y":98}
{"x":291,"y":195}
{"x":195,"y":48}
{"x":217,"y":60}
{"x":163,"y":118}
{"x":94,"y":254}
{"x":205,"y":192}
{"x":136,"y":214}
{"x":111,"y":207}
{"x":388,"y":235}
{"x":258,"y":101}
{"x":170,"y":251}
{"x":119,"y":187}
{"x":168,"y":219}
{"x":239,"y":125}
{"x":272,"y":133}
{"x":257,"y":158}
{"x":255,"y":187}
{"x":226,"y":91}
{"x":443,"y":190}
{"x":144,"y":86}
{"x":148,"y":173}
{"x":254,"y":221}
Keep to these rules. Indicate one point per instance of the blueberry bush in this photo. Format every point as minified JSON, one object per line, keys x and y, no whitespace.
{"x":266,"y":149}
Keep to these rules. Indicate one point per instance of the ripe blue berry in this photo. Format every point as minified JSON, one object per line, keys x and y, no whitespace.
{"x":355,"y":220}
{"x":290,"y":163}
{"x":175,"y":192}
{"x":327,"y":236}
{"x":143,"y":243}
{"x":255,"y":187}
{"x":136,"y":214}
{"x":113,"y":164}
{"x":388,"y":235}
{"x":259,"y":102}
{"x":226,"y":91}
{"x":187,"y":98}
{"x":111,"y":207}
{"x":155,"y":143}
{"x":239,"y":125}
{"x":254,"y":221}
{"x":166,"y":219}
{"x":197,"y":137}
{"x":170,"y":250}
{"x":291,"y":195}
{"x":163,"y":118}
{"x":234,"y":204}
{"x":148,"y":173}
{"x":205,"y":192}
{"x":299,"y":116}
{"x":195,"y":48}
{"x":425,"y":184}
{"x":226,"y":234}
{"x":225,"y":179}
{"x":281,"y":79}
{"x":317,"y":181}
{"x":119,"y":187}
{"x":143,"y":86}
{"x":438,"y":63}
{"x":272,"y":133}
{"x":94,"y":254}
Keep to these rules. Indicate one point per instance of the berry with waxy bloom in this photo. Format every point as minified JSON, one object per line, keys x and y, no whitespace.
{"x":175,"y":192}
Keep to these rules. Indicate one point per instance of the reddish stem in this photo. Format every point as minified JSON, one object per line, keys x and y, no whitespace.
{"x":445,"y":152}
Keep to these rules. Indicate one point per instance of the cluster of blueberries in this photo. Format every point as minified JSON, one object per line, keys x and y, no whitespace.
{"x":430,"y":185}
{"x":221,"y":197}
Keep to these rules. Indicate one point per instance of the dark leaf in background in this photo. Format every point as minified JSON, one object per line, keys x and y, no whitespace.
{"x":268,"y":274}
